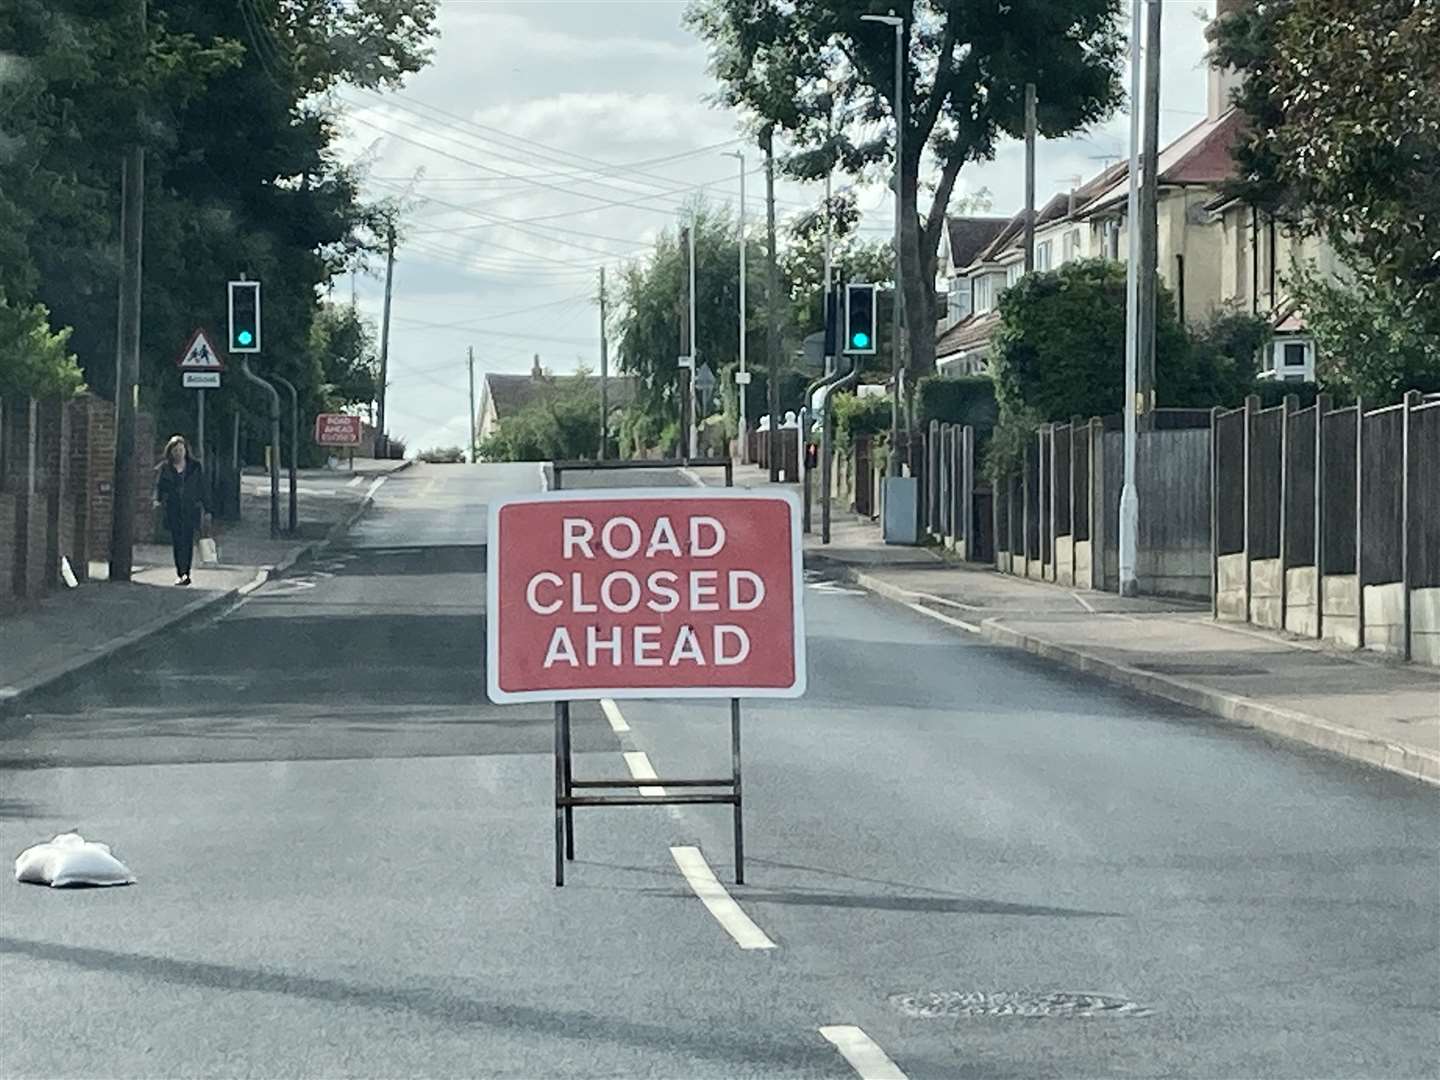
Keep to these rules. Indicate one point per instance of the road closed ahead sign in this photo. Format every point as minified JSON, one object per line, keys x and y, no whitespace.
{"x":631,"y":594}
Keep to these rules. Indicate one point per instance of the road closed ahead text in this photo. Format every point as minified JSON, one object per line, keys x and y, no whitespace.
{"x":644,"y":595}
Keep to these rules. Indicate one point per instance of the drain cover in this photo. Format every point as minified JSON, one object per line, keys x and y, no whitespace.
{"x":1013,"y":1003}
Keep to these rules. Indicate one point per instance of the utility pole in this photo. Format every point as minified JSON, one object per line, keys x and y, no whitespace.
{"x":1029,"y":177}
{"x":897,"y":23}
{"x":1129,"y":497}
{"x":382,"y":442}
{"x":293,"y":516}
{"x":604,"y":373}
{"x":470,"y":362}
{"x":694,"y":362}
{"x":682,"y":309}
{"x":772,"y":303}
{"x":741,"y":384}
{"x":127,"y":342}
{"x":1149,"y":194}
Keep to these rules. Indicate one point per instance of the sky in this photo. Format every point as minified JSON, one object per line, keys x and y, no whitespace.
{"x":549,"y":138}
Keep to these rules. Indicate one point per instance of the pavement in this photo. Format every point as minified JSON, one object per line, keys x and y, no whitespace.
{"x":968,"y":861}
{"x":70,"y":630}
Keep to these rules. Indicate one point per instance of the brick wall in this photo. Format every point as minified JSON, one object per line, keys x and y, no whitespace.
{"x":9,"y":550}
{"x":99,"y":477}
{"x":75,"y":518}
{"x":147,"y":453}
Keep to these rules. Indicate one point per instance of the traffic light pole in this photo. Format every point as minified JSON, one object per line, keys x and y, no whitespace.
{"x":294,"y":447}
{"x":274,"y":444}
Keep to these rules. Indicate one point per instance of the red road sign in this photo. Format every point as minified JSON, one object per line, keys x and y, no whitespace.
{"x":337,"y":429}
{"x":641,"y":594}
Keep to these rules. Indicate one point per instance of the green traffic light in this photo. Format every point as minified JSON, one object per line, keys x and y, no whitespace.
{"x":860,"y":339}
{"x":245,"y":337}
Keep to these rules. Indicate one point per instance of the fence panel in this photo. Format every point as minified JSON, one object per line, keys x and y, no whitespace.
{"x":1230,"y":482}
{"x":1300,"y":488}
{"x":1080,"y":466}
{"x":1425,"y":497}
{"x":1062,"y":443}
{"x":1173,"y":477}
{"x":1381,"y":493}
{"x":1337,"y":481}
{"x":932,"y":477}
{"x":1264,"y":470}
{"x":1032,"y":499}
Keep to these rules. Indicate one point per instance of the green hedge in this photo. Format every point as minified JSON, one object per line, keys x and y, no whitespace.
{"x":856,"y":417}
{"x":960,"y":399}
{"x":1273,"y":392}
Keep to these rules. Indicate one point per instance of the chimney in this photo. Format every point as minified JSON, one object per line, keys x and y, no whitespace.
{"x":1221,"y":82}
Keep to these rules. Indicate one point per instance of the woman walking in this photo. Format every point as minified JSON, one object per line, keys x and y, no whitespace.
{"x":181,"y":488}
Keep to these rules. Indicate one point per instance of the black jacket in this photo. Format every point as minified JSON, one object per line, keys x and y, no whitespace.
{"x":183,"y":496}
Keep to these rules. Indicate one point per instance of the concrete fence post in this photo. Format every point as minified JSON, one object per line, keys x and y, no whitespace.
{"x":1252,"y":406}
{"x":1407,"y":486}
{"x":1215,"y":512}
{"x":1322,"y":406}
{"x":1292,"y":402}
{"x":1359,"y":523}
{"x":1098,"y":538}
{"x":965,"y":527}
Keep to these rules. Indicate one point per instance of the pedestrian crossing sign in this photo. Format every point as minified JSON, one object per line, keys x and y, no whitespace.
{"x":200,"y":354}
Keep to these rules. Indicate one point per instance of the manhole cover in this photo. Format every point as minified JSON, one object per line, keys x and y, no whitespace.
{"x":1162,"y":667}
{"x":1013,"y":1003}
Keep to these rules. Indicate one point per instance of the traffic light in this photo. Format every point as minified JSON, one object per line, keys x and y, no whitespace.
{"x":860,"y":319}
{"x":244,"y":316}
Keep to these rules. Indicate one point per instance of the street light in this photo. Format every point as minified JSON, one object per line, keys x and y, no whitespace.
{"x":740,"y":383}
{"x":1129,"y":496}
{"x":899,"y":24}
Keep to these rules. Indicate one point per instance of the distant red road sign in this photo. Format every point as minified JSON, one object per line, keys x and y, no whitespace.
{"x":641,"y":594}
{"x":336,"y":429}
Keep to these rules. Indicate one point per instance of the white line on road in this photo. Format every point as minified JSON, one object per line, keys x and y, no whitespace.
{"x":370,"y":491}
{"x":641,"y":769}
{"x":613,"y":714}
{"x":946,"y":619}
{"x":354,"y":481}
{"x":862,"y":1052}
{"x":1083,"y":602}
{"x":719,"y":902}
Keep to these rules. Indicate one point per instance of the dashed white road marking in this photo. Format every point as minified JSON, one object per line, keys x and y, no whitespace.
{"x":641,"y":769}
{"x":862,"y":1052}
{"x":374,"y":487}
{"x":720,"y":903}
{"x":613,"y":714}
{"x":355,"y":481}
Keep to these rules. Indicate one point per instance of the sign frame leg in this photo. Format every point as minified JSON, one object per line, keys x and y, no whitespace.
{"x":569,"y":775}
{"x":559,"y":800}
{"x":735,"y":779}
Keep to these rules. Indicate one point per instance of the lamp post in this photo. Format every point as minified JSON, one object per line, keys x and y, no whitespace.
{"x":740,"y":384}
{"x":898,"y":23}
{"x":1129,"y":497}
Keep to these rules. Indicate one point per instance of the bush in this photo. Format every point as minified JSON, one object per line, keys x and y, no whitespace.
{"x":964,"y":399}
{"x":857,"y":417}
{"x":34,"y":360}
{"x":443,"y":455}
{"x":1273,"y":391}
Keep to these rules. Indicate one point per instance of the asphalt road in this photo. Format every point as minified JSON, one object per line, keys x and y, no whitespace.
{"x":344,"y":861}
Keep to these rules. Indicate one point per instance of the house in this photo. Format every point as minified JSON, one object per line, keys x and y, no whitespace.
{"x":503,"y":395}
{"x":1214,"y":253}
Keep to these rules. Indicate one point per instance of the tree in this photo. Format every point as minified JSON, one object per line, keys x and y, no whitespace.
{"x":34,"y":360}
{"x":1343,"y":104}
{"x":560,"y":425}
{"x":242,"y":170}
{"x":825,"y":79}
{"x":1060,"y":352}
{"x":342,"y":343}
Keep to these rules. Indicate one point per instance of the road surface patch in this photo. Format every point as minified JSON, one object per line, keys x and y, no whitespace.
{"x":862,"y":1052}
{"x":717,"y":900}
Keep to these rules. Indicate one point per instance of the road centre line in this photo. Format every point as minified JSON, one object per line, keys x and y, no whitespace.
{"x":641,"y":769}
{"x":355,"y":481}
{"x":614,"y":715}
{"x":862,"y":1052}
{"x":717,"y":900}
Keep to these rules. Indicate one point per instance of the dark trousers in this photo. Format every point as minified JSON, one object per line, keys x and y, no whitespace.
{"x":182,"y":535}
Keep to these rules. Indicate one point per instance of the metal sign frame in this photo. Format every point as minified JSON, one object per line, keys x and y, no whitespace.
{"x":723,"y":791}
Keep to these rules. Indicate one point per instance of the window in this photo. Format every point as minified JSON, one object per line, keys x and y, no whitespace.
{"x":982,"y":293}
{"x":959,"y":302}
{"x":1295,"y":354}
{"x":1072,"y":245}
{"x":1042,"y":255}
{"x":1013,"y":272}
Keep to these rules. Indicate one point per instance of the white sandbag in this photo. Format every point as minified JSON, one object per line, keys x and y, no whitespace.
{"x":209,"y":552}
{"x":70,"y":859}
